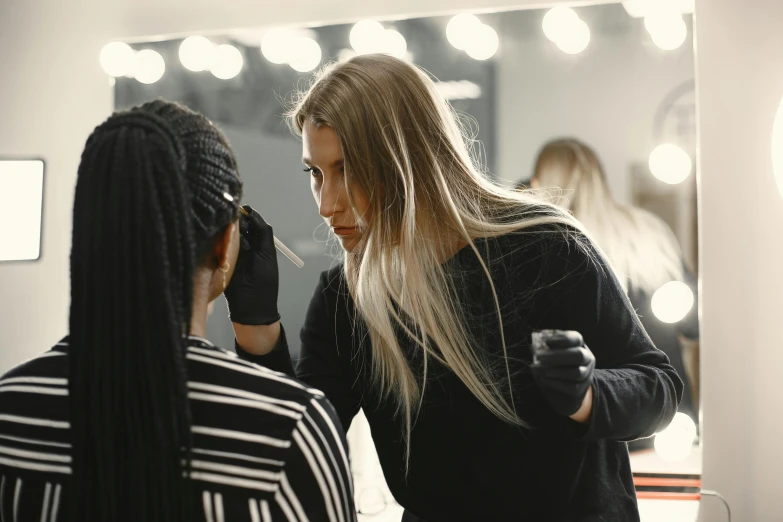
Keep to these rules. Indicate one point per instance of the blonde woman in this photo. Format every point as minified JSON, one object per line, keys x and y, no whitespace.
{"x":642,"y":249}
{"x":427,"y":323}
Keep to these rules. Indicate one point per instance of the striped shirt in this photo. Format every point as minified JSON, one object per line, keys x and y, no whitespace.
{"x":265,"y":447}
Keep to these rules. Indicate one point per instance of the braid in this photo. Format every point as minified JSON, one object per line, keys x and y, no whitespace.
{"x":156,"y":184}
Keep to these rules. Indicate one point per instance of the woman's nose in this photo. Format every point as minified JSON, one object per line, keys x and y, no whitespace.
{"x":332,"y":195}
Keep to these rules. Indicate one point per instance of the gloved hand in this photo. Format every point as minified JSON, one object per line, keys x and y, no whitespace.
{"x":564,"y":370}
{"x":252,"y":293}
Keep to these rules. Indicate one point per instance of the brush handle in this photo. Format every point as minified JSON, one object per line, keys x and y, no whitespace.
{"x":287,"y":253}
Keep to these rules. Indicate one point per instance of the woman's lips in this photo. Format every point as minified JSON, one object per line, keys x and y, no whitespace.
{"x":344,"y":231}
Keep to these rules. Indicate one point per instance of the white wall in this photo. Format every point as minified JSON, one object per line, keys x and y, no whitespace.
{"x":52,"y":93}
{"x":51,"y":96}
{"x":607,"y":95}
{"x":739,"y":53}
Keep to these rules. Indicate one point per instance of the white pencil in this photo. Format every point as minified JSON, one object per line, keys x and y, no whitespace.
{"x":287,"y":253}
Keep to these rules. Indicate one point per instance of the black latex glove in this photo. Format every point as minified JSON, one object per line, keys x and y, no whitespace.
{"x":252,"y":293}
{"x":564,"y":371}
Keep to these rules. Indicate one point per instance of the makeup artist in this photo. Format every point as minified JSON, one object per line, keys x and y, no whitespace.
{"x":427,"y":323}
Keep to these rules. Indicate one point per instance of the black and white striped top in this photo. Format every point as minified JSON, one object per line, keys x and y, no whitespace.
{"x":265,"y":447}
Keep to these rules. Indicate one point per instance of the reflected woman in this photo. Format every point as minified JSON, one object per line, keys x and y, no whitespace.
{"x":427,"y":323}
{"x":641,"y":248}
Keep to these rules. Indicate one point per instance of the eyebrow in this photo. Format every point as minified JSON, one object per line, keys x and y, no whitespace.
{"x":335,"y":164}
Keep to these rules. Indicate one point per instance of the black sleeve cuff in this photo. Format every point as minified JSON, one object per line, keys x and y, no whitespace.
{"x":279,"y":359}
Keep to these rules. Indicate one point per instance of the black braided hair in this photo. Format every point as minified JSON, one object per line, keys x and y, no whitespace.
{"x":157,"y":184}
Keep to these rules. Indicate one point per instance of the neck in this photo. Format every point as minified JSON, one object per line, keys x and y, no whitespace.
{"x":201,"y":298}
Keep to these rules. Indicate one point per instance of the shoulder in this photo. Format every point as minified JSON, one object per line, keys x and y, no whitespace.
{"x":549,"y":244}
{"x":331,"y":291}
{"x":243,"y":378}
{"x":53,"y":363}
{"x":333,"y":279}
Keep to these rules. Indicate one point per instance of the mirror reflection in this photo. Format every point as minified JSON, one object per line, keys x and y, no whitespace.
{"x":592,"y":107}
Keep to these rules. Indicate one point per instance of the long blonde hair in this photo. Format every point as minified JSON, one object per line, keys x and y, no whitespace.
{"x":403,"y":144}
{"x":640,"y":246}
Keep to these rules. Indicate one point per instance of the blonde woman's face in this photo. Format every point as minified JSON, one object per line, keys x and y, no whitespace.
{"x":322,"y":154}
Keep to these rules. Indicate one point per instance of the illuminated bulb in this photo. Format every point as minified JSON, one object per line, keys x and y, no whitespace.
{"x":667,"y":29}
{"x":276,"y":45}
{"x":367,"y":37}
{"x":642,"y":8}
{"x":672,"y":302}
{"x":670,"y":164}
{"x":117,"y":59}
{"x":345,"y":54}
{"x":558,"y":21}
{"x":576,"y":39}
{"x":675,"y":443}
{"x":150,"y":66}
{"x":683,"y":421}
{"x":305,"y":55}
{"x":673,"y":446}
{"x":461,"y":29}
{"x":484,"y":43}
{"x":228,"y":62}
{"x":196,"y":53}
{"x":687,"y":6}
{"x":777,"y":147}
{"x":635,"y":8}
{"x":394,"y":43}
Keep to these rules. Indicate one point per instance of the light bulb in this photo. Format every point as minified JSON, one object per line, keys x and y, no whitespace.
{"x":672,"y":302}
{"x":685,"y":422}
{"x":367,"y":37}
{"x":667,"y":29}
{"x":228,"y":62}
{"x":276,"y":45}
{"x":117,"y":59}
{"x":642,"y":8}
{"x":673,"y":446}
{"x":635,"y":8}
{"x":484,"y":43}
{"x":196,"y":53}
{"x":461,"y":29}
{"x":777,"y":147}
{"x":151,"y":66}
{"x":394,"y":43}
{"x":345,"y":54}
{"x":558,"y":21}
{"x":675,"y":443}
{"x":305,"y":55}
{"x":670,"y":164}
{"x":687,"y":6}
{"x":576,"y":39}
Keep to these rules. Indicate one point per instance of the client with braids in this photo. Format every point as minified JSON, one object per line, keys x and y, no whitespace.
{"x":136,"y":416}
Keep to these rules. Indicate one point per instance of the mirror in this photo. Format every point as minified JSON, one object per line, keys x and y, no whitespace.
{"x":619,"y":83}
{"x":21,"y":207}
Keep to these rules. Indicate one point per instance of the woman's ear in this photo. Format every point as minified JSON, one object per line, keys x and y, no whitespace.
{"x":225,"y":248}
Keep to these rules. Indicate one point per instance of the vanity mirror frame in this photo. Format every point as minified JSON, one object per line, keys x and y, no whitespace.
{"x":494,"y":10}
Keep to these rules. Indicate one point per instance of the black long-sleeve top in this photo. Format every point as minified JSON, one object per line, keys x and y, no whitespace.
{"x":465,"y":463}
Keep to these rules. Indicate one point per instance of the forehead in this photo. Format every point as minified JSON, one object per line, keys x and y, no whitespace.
{"x":320,"y":144}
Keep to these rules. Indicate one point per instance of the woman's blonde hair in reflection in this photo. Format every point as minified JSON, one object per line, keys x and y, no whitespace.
{"x":641,"y":248}
{"x":404,"y":146}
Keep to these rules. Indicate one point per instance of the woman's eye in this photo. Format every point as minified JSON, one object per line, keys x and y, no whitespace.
{"x":313,"y":171}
